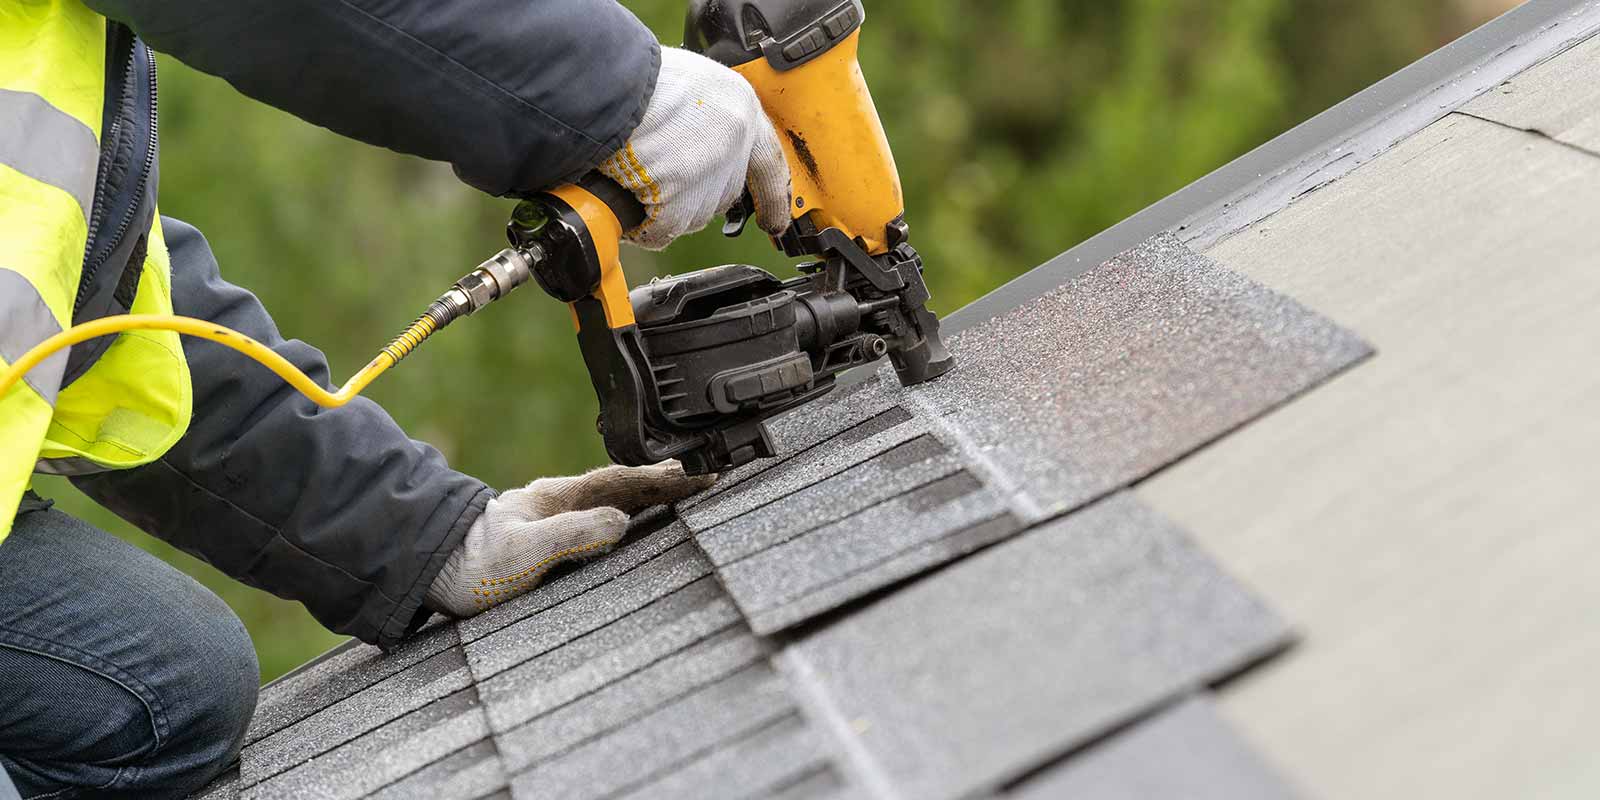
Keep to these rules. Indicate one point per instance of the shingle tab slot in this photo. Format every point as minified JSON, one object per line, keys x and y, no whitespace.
{"x":384,"y":755}
{"x":342,"y":674}
{"x":798,"y":431}
{"x":369,"y":709}
{"x":819,"y":784}
{"x":812,"y":562}
{"x":594,"y":661}
{"x":631,"y":698}
{"x":684,"y":730}
{"x":473,"y":772}
{"x":752,"y":767}
{"x":801,"y":470}
{"x":587,"y":612}
{"x":870,"y":577}
{"x":900,"y":469}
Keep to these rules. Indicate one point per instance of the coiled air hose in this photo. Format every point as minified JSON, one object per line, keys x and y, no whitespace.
{"x":491,"y":281}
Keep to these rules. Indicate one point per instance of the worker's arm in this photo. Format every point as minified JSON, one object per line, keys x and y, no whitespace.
{"x":518,"y":94}
{"x":336,"y":509}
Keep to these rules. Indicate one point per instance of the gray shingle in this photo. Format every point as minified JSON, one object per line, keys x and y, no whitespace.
{"x":823,"y":557}
{"x":849,"y":449}
{"x":547,"y":628}
{"x":341,"y":674}
{"x":689,"y":728}
{"x":1072,"y":396}
{"x":819,"y":784}
{"x":1185,"y":751}
{"x":384,"y":755}
{"x":855,"y":412}
{"x":955,"y":685}
{"x":903,"y":565}
{"x":631,"y":698}
{"x":472,"y":772}
{"x":591,"y":662}
{"x":1124,"y":369}
{"x":817,"y":498}
{"x":366,"y":710}
{"x":754,"y":766}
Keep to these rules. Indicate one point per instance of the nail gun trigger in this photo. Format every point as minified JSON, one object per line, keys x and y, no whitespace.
{"x":739,"y":215}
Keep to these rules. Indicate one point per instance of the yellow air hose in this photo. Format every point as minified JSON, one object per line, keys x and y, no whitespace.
{"x":189,"y":326}
{"x":490,"y":281}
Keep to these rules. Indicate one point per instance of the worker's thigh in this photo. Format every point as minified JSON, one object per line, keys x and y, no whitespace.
{"x":119,"y":675}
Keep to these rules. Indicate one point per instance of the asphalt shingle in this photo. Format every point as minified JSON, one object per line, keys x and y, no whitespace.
{"x":819,"y":784}
{"x":341,"y":674}
{"x":663,"y":741}
{"x":473,"y":772}
{"x":857,"y":445}
{"x":631,"y":698}
{"x":807,"y":565}
{"x":592,"y":662}
{"x":385,"y":755}
{"x":545,"y":628}
{"x":753,"y":766}
{"x":1184,"y":751}
{"x":369,"y":709}
{"x":1059,"y":634}
{"x":883,"y":473}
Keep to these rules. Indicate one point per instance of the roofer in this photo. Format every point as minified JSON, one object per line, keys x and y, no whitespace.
{"x":121,"y":676}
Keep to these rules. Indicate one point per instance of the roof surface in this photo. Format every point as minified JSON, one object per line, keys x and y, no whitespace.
{"x":1005,"y":583}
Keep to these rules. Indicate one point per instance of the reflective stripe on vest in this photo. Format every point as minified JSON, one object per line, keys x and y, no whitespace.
{"x":134,"y":402}
{"x":48,"y":145}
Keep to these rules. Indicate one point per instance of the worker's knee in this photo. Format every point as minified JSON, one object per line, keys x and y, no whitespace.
{"x":212,"y":696}
{"x":119,"y":673}
{"x":161,"y":722}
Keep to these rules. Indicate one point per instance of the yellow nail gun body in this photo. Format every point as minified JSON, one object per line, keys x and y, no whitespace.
{"x":690,"y":367}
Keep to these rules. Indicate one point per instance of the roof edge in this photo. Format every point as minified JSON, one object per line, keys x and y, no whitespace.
{"x":1320,"y":150}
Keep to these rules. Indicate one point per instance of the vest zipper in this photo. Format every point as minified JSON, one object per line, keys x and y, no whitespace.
{"x":151,"y":150}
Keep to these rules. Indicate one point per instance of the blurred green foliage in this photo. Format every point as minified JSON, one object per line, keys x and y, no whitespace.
{"x":1020,"y":127}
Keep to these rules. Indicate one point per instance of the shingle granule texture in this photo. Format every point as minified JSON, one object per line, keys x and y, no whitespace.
{"x":1053,"y":405}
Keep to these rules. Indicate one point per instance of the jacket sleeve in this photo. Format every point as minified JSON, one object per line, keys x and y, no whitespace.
{"x":518,"y":95}
{"x":337,"y":509}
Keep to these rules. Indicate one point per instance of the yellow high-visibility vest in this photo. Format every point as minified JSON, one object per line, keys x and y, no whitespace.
{"x":134,"y":402}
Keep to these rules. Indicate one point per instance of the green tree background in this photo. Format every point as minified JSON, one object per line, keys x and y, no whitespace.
{"x":1021,"y":127}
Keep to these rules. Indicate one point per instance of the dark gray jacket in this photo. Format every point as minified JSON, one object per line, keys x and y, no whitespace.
{"x":339,"y":509}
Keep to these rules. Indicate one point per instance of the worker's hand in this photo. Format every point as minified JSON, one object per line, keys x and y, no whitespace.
{"x":703,"y":139}
{"x":525,"y":532}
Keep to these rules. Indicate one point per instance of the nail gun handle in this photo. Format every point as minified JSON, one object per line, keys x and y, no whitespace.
{"x":577,"y":229}
{"x":621,"y":200}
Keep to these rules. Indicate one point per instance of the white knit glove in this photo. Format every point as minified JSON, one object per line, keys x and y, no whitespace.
{"x":703,"y":139}
{"x":525,"y":532}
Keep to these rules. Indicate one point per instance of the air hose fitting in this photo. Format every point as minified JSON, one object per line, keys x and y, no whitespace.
{"x":490,"y":281}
